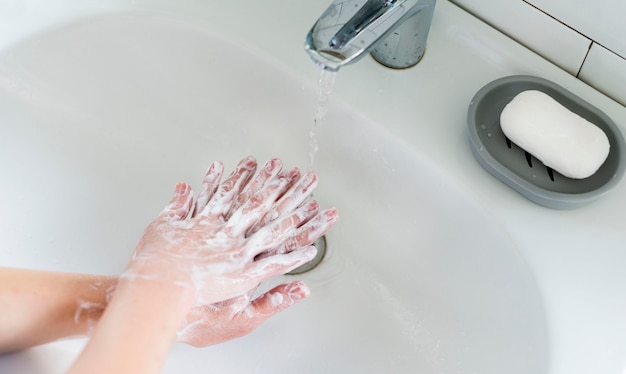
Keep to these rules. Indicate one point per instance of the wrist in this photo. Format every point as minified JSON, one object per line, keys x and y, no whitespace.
{"x":138,"y":326}
{"x":91,"y":298}
{"x":157,"y":290}
{"x":161,"y":271}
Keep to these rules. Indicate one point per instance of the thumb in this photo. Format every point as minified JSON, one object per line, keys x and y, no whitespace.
{"x":279,"y":298}
{"x":180,"y":205}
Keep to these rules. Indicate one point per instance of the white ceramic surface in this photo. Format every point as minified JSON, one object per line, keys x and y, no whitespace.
{"x":586,"y":38}
{"x":434,"y":267}
{"x":601,"y":20}
{"x":605,"y":71}
{"x":533,"y":28}
{"x":107,"y":114}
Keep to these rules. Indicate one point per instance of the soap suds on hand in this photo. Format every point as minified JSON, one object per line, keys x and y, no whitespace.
{"x":561,"y":139}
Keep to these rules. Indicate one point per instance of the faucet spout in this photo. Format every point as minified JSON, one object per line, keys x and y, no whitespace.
{"x":394,"y":31}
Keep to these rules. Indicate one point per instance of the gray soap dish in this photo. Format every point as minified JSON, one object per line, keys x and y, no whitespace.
{"x":524,"y":173}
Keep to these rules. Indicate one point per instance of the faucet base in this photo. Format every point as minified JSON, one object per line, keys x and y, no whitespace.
{"x":384,"y":62}
{"x":404,"y":46}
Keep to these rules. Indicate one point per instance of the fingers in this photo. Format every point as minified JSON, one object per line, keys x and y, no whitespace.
{"x":220,"y":204}
{"x":291,"y":199}
{"x":230,"y":319}
{"x":276,"y":300}
{"x":270,"y":170}
{"x":259,"y":203}
{"x":280,"y":264}
{"x":210,"y":183}
{"x":308,"y":233}
{"x":180,"y":205}
{"x":274,"y":234}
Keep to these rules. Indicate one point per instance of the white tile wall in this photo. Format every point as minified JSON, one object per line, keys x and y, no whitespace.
{"x":606,"y":71}
{"x":585,"y":38}
{"x":600,"y":20}
{"x":534,"y":29}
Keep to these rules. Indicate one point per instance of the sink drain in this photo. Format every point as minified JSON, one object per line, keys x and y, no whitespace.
{"x":320,"y":244}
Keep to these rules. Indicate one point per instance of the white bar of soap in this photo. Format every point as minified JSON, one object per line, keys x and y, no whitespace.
{"x":559,"y":138}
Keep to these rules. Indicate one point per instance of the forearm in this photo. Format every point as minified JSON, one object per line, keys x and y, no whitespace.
{"x":39,"y":306}
{"x":137,"y":328}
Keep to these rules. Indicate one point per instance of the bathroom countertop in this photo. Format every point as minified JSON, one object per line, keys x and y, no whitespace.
{"x":577,"y":256}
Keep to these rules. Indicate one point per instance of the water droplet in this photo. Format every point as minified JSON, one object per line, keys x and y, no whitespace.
{"x":483,"y":126}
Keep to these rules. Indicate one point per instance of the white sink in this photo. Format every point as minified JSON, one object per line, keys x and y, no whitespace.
{"x":103,"y":114}
{"x":102,"y":117}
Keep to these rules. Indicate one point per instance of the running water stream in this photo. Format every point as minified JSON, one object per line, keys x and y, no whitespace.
{"x":326,"y":83}
{"x":325,"y":86}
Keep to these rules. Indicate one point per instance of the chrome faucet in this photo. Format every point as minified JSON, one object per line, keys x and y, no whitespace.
{"x":393,"y":31}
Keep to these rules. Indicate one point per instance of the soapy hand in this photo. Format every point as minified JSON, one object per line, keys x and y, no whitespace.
{"x":216,"y":323}
{"x":237,"y":234}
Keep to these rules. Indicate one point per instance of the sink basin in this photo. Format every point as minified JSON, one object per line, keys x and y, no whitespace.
{"x":101,"y":117}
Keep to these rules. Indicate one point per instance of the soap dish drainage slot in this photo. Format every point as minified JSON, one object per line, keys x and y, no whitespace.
{"x":518,"y":168}
{"x":538,"y":168}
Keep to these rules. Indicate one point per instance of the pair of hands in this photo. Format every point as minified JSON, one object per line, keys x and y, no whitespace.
{"x":235,"y":235}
